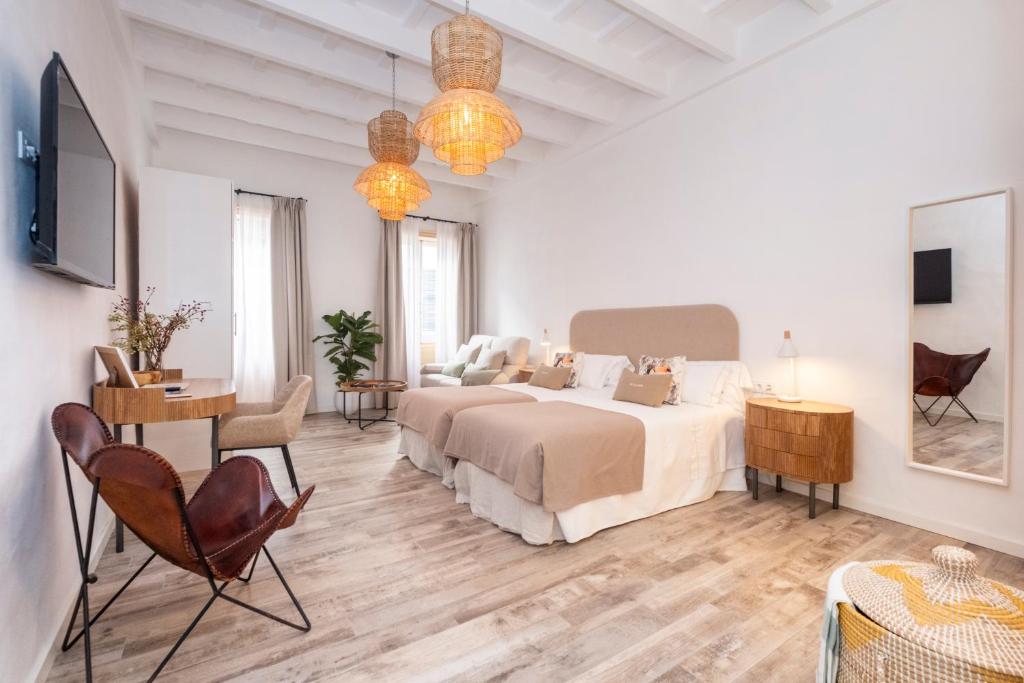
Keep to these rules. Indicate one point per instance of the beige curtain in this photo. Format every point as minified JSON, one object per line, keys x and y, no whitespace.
{"x":390,"y":310}
{"x":293,"y":321}
{"x":467,"y":281}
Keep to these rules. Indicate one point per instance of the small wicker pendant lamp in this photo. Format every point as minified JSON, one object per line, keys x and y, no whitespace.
{"x":390,"y":185}
{"x":467,"y":126}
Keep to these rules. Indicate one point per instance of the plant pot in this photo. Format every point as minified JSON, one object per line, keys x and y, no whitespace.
{"x":146,"y":377}
{"x":350,"y":400}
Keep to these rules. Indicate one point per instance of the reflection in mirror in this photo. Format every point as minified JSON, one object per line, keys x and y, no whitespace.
{"x":960,"y":332}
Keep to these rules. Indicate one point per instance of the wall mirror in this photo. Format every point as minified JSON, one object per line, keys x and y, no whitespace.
{"x":960,"y":327}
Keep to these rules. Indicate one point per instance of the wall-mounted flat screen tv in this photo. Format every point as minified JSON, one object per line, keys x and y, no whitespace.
{"x":74,"y":231}
{"x":933,"y":276}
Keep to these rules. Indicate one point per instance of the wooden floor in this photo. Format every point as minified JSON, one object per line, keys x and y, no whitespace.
{"x":401,"y":583}
{"x":959,"y":443}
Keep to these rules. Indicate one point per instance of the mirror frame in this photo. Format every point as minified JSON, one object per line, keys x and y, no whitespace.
{"x":1003,"y":480}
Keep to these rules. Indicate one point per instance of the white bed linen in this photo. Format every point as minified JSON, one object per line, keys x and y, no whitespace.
{"x":690,"y":452}
{"x":421,"y":452}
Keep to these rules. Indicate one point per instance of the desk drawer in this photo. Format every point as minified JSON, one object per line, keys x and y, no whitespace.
{"x":784,"y":421}
{"x":785,"y":441}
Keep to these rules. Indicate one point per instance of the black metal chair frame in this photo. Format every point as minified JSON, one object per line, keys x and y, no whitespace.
{"x":85,"y":556}
{"x":284,"y":452}
{"x":953,"y":399}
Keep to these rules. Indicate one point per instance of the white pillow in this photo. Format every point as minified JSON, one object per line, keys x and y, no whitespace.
{"x":701,"y":382}
{"x":601,"y":370}
{"x":733,"y":378}
{"x":620,"y":364}
{"x":466,"y":354}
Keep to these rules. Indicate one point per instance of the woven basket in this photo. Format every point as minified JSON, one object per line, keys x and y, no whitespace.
{"x":466,"y":53}
{"x":391,"y":138}
{"x":940,"y":622}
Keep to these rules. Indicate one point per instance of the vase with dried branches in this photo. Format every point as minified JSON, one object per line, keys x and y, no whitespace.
{"x":148,"y":333}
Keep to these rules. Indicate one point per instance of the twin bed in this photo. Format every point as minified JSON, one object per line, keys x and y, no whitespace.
{"x":563,"y":464}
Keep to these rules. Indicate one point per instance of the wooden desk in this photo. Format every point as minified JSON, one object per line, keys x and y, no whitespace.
{"x":210,"y":398}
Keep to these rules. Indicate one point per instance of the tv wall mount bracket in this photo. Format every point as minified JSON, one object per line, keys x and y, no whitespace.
{"x":29,"y":153}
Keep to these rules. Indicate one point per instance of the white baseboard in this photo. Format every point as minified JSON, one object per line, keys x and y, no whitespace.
{"x":43,"y":671}
{"x":861,"y":504}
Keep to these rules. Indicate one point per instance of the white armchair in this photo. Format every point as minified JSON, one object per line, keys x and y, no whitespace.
{"x":516,"y":349}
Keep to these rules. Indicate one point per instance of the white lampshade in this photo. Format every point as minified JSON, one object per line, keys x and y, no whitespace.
{"x":546,"y":339}
{"x":788,"y":348}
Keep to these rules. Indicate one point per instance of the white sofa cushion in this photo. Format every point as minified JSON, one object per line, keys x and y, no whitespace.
{"x":517,"y":349}
{"x":439,"y":380}
{"x":481,"y":340}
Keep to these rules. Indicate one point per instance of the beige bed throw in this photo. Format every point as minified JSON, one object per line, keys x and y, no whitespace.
{"x":553,"y":453}
{"x":430,"y":410}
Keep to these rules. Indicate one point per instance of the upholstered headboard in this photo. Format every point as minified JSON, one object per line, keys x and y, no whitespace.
{"x":701,"y":332}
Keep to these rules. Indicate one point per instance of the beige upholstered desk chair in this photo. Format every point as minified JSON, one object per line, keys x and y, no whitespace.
{"x":268,"y":425}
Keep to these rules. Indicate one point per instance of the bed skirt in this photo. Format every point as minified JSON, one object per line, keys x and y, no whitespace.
{"x":492,"y":499}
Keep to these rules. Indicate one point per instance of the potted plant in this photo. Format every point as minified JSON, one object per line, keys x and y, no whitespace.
{"x":148,"y":333}
{"x":351,"y":341}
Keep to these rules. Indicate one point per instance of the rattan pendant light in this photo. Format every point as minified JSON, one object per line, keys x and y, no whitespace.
{"x":467,"y":126}
{"x":390,"y":185}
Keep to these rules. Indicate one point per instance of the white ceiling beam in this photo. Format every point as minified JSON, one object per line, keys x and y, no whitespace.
{"x":216,"y":25}
{"x":376,"y":29}
{"x":285,"y":86}
{"x":708,"y":33}
{"x":178,"y":92}
{"x":615,"y":28}
{"x":819,"y":6}
{"x":535,"y":27}
{"x":567,"y":9}
{"x":191,"y":121}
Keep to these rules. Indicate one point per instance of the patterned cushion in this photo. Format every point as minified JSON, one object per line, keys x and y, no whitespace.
{"x":675,"y":366}
{"x":570,"y":360}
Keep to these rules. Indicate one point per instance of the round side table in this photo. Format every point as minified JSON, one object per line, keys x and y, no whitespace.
{"x":369,"y":386}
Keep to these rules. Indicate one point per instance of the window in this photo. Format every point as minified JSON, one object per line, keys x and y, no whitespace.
{"x":254,"y":327}
{"x":428,"y":298}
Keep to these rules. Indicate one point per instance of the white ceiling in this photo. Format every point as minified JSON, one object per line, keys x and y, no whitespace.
{"x":305,"y":76}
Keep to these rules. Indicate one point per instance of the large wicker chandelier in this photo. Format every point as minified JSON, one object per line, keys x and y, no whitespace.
{"x":390,"y":185}
{"x":467,"y":126}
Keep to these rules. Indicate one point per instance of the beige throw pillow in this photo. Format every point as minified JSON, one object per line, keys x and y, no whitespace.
{"x":573,"y":361}
{"x":476,"y":378}
{"x":549,"y":377}
{"x":648,"y":390}
{"x":675,"y":366}
{"x":489,"y":359}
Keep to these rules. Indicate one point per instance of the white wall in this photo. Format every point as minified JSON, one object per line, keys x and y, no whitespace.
{"x":784,"y":195}
{"x":343,"y":230}
{"x":975,"y":230}
{"x":50,"y":325}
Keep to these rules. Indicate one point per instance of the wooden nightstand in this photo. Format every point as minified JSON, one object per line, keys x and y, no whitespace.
{"x":525,"y":373}
{"x":807,"y":441}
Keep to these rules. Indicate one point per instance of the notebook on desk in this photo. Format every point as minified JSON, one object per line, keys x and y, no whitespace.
{"x":171,"y":389}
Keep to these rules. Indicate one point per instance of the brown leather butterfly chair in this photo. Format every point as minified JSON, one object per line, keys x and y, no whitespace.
{"x":215,"y":534}
{"x":941,"y":374}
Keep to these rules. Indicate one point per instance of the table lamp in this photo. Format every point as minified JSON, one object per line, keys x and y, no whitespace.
{"x":545,"y":341}
{"x":788,"y":350}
